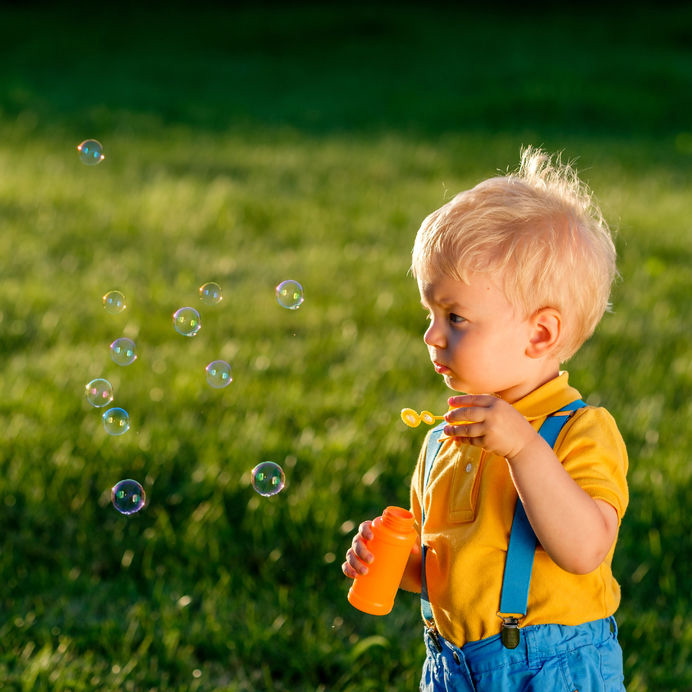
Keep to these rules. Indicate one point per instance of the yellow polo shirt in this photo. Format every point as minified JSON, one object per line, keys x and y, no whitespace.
{"x":469,"y":507}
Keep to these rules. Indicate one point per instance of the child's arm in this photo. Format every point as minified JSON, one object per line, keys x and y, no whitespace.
{"x":573,"y":528}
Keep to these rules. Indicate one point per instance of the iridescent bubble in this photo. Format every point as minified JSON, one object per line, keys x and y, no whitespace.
{"x":91,"y":152}
{"x":210,"y":293}
{"x":187,"y":321}
{"x":289,"y":293}
{"x":114,"y":302}
{"x":128,"y":496}
{"x":268,"y":478}
{"x":123,"y":351}
{"x":116,"y":421}
{"x":219,"y":374}
{"x":99,"y":392}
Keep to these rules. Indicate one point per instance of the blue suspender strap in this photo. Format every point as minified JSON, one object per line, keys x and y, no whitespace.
{"x":431,"y":451}
{"x":522,"y":540}
{"x":522,"y":545}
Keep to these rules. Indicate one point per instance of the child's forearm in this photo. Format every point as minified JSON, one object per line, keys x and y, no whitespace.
{"x":573,"y":528}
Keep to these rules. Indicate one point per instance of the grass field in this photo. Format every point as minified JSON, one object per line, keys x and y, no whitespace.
{"x":250,"y":146}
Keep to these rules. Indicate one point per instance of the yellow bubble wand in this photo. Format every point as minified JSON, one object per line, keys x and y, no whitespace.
{"x":413,"y":419}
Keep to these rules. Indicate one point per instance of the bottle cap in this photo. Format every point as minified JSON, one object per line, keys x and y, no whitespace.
{"x":397,"y":519}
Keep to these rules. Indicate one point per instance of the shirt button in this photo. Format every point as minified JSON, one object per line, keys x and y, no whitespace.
{"x":468,"y":468}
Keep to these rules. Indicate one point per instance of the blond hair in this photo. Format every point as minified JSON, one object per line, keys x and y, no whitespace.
{"x":540,"y":232}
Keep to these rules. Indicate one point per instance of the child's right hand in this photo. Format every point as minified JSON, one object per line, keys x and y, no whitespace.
{"x":358,"y":557}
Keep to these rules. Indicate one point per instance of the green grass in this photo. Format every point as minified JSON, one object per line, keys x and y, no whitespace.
{"x":247,"y":147}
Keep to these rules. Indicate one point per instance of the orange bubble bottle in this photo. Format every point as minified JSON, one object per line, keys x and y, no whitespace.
{"x":393,"y":539}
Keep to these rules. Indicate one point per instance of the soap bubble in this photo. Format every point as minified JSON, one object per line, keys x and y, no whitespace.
{"x":99,"y":392}
{"x":128,"y":496}
{"x":268,"y":478}
{"x":91,"y":152}
{"x":123,"y":351}
{"x":187,"y":321}
{"x":289,"y":293}
{"x":219,"y":374}
{"x":210,"y":293}
{"x":116,"y":421}
{"x":114,"y":302}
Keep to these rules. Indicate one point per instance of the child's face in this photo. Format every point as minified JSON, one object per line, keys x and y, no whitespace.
{"x":476,"y":340}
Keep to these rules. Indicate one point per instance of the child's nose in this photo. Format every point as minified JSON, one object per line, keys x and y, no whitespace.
{"x":434,"y":336}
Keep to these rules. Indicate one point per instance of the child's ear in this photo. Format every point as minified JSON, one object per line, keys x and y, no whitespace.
{"x":546,"y":327}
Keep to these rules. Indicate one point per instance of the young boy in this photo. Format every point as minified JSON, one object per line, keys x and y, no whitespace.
{"x":515,"y":274}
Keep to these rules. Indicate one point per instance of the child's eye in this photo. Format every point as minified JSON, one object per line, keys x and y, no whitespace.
{"x":456,"y":319}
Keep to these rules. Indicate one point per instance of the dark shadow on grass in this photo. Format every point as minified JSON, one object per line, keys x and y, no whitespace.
{"x":381,"y":67}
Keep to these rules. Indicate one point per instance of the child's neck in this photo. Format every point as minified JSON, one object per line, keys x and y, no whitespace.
{"x":528,"y":385}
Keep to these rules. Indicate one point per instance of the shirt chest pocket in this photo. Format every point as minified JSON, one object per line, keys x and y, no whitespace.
{"x":466,"y":478}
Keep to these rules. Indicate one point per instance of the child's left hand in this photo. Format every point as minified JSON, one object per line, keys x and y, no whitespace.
{"x":488,"y":422}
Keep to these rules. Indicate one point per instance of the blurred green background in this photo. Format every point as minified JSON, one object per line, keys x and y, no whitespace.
{"x":251,"y":145}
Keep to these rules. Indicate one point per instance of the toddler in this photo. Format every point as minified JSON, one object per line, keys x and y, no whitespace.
{"x":518,"y":496}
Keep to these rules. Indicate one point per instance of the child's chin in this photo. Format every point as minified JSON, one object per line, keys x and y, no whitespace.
{"x":454,"y":384}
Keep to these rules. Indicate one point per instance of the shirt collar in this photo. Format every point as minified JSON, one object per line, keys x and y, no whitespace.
{"x":549,"y":397}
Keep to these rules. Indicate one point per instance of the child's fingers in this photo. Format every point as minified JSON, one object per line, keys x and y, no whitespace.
{"x":464,"y":400}
{"x":349,"y":571}
{"x":365,"y":530}
{"x":468,"y":433}
{"x":355,"y":565}
{"x":358,"y":556}
{"x":466,"y":414}
{"x":359,"y":548}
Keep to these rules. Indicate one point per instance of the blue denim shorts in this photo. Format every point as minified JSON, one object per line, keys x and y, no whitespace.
{"x":549,"y":658}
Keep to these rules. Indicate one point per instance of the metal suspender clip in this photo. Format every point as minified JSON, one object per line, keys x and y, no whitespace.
{"x":509,"y":635}
{"x":435,"y":636}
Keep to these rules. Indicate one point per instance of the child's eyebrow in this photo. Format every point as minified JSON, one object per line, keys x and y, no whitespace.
{"x":444,"y":303}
